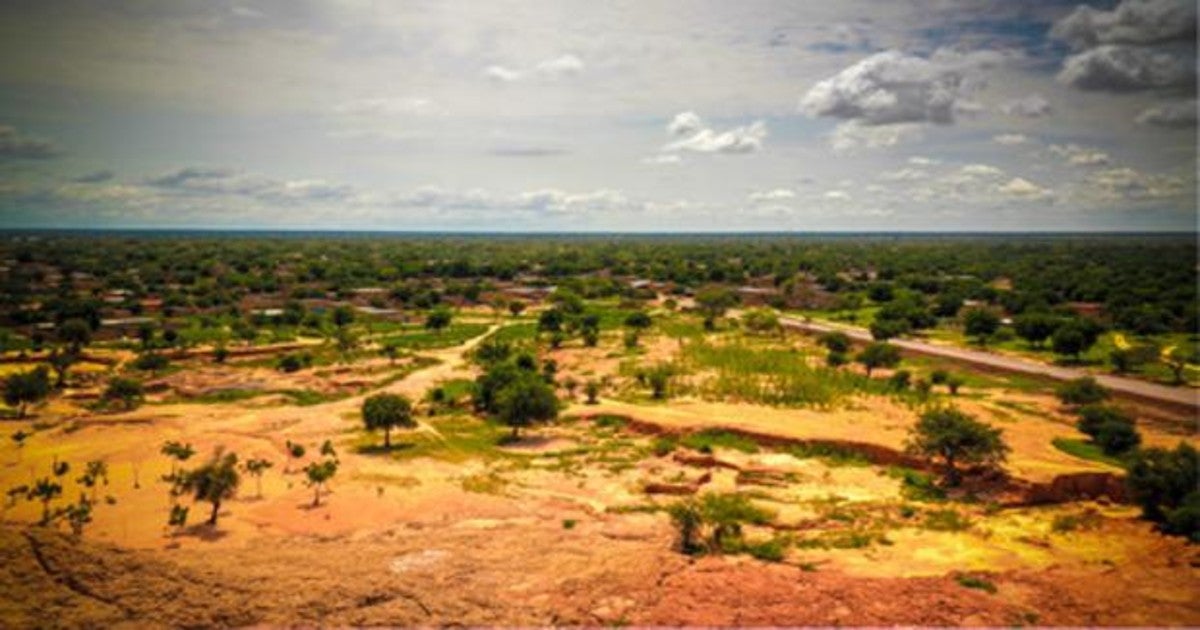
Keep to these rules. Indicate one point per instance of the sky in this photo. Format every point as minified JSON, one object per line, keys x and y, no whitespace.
{"x":930,"y":115}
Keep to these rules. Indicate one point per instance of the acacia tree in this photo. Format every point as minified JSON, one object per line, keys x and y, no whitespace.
{"x":387,"y":411}
{"x":877,"y":355}
{"x":126,"y":390}
{"x":319,"y":473}
{"x":75,"y":333}
{"x":255,"y":468}
{"x":295,"y":451}
{"x":94,"y":473}
{"x":525,"y":401}
{"x":215,"y":481}
{"x":22,"y":389}
{"x":954,"y":437}
{"x":713,"y":301}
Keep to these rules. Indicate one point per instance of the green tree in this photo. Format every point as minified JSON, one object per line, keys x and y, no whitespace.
{"x":94,"y":473}
{"x":343,"y":316}
{"x":980,"y":323}
{"x":127,"y":391}
{"x":1164,"y":483}
{"x":883,"y":329}
{"x":438,"y":319}
{"x":836,"y":341}
{"x":1035,"y":328}
{"x":877,"y":355}
{"x":954,"y":437}
{"x":255,"y":468}
{"x":638,"y":320}
{"x":713,"y":301}
{"x":1072,"y":339}
{"x":75,"y":333}
{"x":1177,"y":360}
{"x":525,"y":401}
{"x":319,"y":473}
{"x":1081,"y":391}
{"x":215,"y":481}
{"x":61,"y":362}
{"x":24,"y":388}
{"x":387,"y":411}
{"x":45,"y":490}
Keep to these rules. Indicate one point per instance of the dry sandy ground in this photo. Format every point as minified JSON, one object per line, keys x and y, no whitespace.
{"x":403,"y":542}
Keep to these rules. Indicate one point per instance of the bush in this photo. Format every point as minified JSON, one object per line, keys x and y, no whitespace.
{"x":126,"y":390}
{"x":836,"y":341}
{"x":900,"y":380}
{"x":1081,"y":391}
{"x":150,"y":362}
{"x":836,"y":359}
{"x":1092,"y":416}
{"x":938,"y":377}
{"x":879,"y":355}
{"x":1164,"y":482}
{"x":290,"y":363}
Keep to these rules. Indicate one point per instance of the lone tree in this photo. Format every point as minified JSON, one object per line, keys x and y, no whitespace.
{"x":94,"y":473}
{"x":525,"y":401}
{"x":215,"y":481}
{"x":318,"y":474}
{"x":22,"y":389}
{"x":713,"y":301}
{"x":256,"y":468}
{"x":438,"y":319}
{"x":980,"y":323}
{"x":953,"y":436}
{"x":836,"y":341}
{"x":387,"y":411}
{"x":61,"y":362}
{"x":296,"y":451}
{"x":877,"y":355}
{"x":127,"y":391}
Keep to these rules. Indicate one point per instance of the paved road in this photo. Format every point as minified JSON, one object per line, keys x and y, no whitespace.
{"x":1151,"y":392}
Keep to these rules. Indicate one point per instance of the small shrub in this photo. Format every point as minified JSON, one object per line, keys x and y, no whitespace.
{"x":946,"y":521}
{"x":975,"y":582}
{"x":1081,"y":391}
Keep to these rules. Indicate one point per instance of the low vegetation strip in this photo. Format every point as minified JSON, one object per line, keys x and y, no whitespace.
{"x":771,"y":375}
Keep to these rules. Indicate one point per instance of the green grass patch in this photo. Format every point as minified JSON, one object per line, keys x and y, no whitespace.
{"x":830,"y":454}
{"x":421,"y":339}
{"x":916,"y":485}
{"x":1084,"y":449}
{"x":946,"y":521}
{"x":975,"y":582}
{"x":705,"y":441}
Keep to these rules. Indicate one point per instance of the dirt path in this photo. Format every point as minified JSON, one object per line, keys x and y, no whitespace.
{"x":1178,"y":397}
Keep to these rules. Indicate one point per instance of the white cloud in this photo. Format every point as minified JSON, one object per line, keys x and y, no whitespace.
{"x":894,"y":87}
{"x":560,"y":66}
{"x":777,"y":194}
{"x":920,"y":160}
{"x":981,"y":170}
{"x":1032,"y":106}
{"x":1131,"y":22}
{"x":1174,"y":114}
{"x":1010,"y":139}
{"x":851,"y":136}
{"x":502,"y":74}
{"x":836,"y":195}
{"x":684,"y":123}
{"x":554,"y":68}
{"x":1021,"y":187}
{"x":745,"y":139}
{"x":1118,"y":184}
{"x":1118,"y":68}
{"x":904,"y":175}
{"x":1076,"y":155}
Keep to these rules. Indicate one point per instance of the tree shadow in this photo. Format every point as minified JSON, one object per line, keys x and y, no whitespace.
{"x":379,"y":449}
{"x":201,"y":531}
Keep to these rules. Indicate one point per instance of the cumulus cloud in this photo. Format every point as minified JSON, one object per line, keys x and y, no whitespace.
{"x":894,"y":87}
{"x":14,"y":144}
{"x":1137,"y":22}
{"x":1021,"y":187}
{"x":701,"y":138}
{"x":684,"y":123}
{"x":1117,"y":68}
{"x":905,"y":174}
{"x":1076,"y":155}
{"x":1174,"y":114}
{"x":777,"y":194}
{"x":850,"y":136}
{"x":980,"y":170}
{"x":554,"y":68}
{"x":1122,"y":184}
{"x":1032,"y":106}
{"x":1010,"y":139}
{"x":836,"y":195}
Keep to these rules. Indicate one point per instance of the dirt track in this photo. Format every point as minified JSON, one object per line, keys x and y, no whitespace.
{"x":1178,"y":397}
